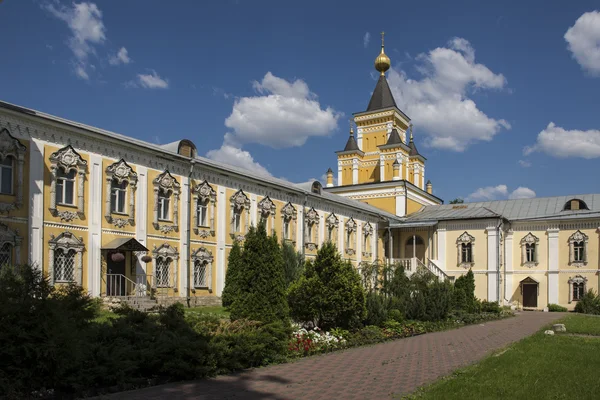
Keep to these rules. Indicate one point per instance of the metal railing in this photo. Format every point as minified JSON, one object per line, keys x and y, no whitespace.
{"x":118,"y":285}
{"x":433,"y":268}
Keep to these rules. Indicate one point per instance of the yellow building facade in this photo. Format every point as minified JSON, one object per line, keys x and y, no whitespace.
{"x":123,"y":217}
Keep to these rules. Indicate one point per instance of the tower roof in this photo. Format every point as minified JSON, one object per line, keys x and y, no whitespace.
{"x":351,"y":144}
{"x":413,"y":147}
{"x":394,"y":138}
{"x":382,"y":96}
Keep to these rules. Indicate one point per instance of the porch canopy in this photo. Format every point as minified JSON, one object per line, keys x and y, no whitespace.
{"x":124,"y":244}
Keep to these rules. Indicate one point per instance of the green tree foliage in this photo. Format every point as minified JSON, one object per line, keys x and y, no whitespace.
{"x":260,"y":283}
{"x":329,"y":292}
{"x":377,"y":309}
{"x":293,"y":263}
{"x":232,"y":277}
{"x":465,"y":284}
{"x":458,"y":200}
{"x":589,"y":303}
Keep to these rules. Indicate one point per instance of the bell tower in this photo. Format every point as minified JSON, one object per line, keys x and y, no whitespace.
{"x":379,"y":155}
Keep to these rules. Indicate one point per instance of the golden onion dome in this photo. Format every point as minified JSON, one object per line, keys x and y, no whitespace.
{"x":382,"y":62}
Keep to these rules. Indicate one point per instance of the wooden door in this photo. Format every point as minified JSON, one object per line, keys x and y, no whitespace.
{"x":530,"y":296}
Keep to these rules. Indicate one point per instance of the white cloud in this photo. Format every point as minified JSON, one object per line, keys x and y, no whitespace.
{"x":558,"y":142}
{"x":150,"y":81}
{"x":524,"y":163}
{"x":87,"y":30}
{"x":522,"y":193}
{"x":366,"y":39}
{"x":286,"y":114}
{"x":439,"y":102}
{"x":584,"y":41}
{"x":122,"y":57}
{"x":500,"y":192}
{"x":232,"y":155}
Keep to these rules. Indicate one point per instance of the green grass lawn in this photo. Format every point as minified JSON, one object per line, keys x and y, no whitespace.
{"x":220,"y":311}
{"x":540,"y":367}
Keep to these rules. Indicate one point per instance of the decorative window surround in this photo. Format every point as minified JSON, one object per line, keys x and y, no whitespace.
{"x":11,"y":147}
{"x":578,"y":237}
{"x":164,"y":253}
{"x":266,"y":209}
{"x":350,"y":237}
{"x":67,"y":159}
{"x":289,"y":215}
{"x":529,"y":240}
{"x":238,"y":203}
{"x":577,"y":280}
{"x":311,"y":230}
{"x":203,"y":257}
{"x":66,"y":241}
{"x":120,"y":172}
{"x":204,"y":193}
{"x":168,"y":184}
{"x":367,"y":234}
{"x":332,"y":222}
{"x":12,"y":238}
{"x":465,"y":239}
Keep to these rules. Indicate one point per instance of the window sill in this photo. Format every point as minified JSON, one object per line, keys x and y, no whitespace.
{"x":165,"y":220}
{"x":123,"y":214}
{"x":66,"y":205}
{"x":466,"y":265}
{"x":530,"y":264}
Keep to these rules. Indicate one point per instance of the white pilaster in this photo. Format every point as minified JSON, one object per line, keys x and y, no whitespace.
{"x":492,"y":263}
{"x":355,"y":171}
{"x":423,"y":177}
{"x":441,"y":248}
{"x":417,"y":173}
{"x":300,"y":229}
{"x":341,"y":234}
{"x":184,"y":259}
{"x":552,"y":266}
{"x":340,"y":181}
{"x":253,"y":211}
{"x":374,"y":247}
{"x":359,"y":138}
{"x":221,"y":231}
{"x":94,"y":213}
{"x":36,"y":205}
{"x":508,"y":265}
{"x":321,"y":229}
{"x":359,"y":240}
{"x":381,"y":168}
{"x":141,"y":212}
{"x":401,"y":204}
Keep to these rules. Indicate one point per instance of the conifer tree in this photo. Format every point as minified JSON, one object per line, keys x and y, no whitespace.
{"x":260,"y":284}
{"x":231,"y":289}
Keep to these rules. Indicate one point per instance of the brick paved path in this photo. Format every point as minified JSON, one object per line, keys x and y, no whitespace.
{"x":371,"y":372}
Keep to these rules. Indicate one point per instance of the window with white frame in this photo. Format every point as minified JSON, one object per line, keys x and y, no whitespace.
{"x":578,"y":249}
{"x":163,"y":265}
{"x":204,"y":196}
{"x":465,"y":244}
{"x":367,"y":237}
{"x":118,"y":196}
{"x":65,"y":187}
{"x":121,"y":183}
{"x":311,"y":229}
{"x":165,"y":260}
{"x":164,"y":205}
{"x":577,"y":288}
{"x":166,"y":199}
{"x":289,"y":217}
{"x":350,"y":245}
{"x":65,"y":258}
{"x":202,"y":259}
{"x":266,"y":211}
{"x":240,"y":214}
{"x":12,"y":160}
{"x":202,"y":212}
{"x":68,"y":170}
{"x":6,"y":254}
{"x":332,"y":223}
{"x":6,"y":175}
{"x":529,"y":250}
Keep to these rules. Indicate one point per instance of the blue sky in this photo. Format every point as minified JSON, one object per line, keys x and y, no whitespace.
{"x":502,"y":96}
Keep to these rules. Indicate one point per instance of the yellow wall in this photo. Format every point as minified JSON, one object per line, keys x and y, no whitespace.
{"x":385,"y":203}
{"x":412,"y":206}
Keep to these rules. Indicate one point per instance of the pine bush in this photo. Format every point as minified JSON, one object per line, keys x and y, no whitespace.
{"x":232,"y":276}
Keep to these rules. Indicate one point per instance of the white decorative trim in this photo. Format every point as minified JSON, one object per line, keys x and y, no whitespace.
{"x":351,"y":228}
{"x":168,"y":184}
{"x":203,"y":255}
{"x":12,"y":147}
{"x":68,"y":159}
{"x":66,"y":241}
{"x":13,"y":238}
{"x":118,"y":232}
{"x":266,"y":211}
{"x":121,"y":172}
{"x":204,"y":192}
{"x":576,"y":238}
{"x":239,"y":203}
{"x":53,"y":224}
{"x":466,"y":239}
{"x":529,"y":239}
{"x":290,"y":215}
{"x":166,"y":251}
{"x":579,"y":280}
{"x":311,"y":219}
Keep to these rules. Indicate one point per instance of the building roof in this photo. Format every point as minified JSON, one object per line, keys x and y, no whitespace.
{"x":351,"y":144}
{"x":413,"y":149}
{"x":222,"y":167}
{"x":541,"y":208}
{"x":394,"y":138}
{"x":382,"y":96}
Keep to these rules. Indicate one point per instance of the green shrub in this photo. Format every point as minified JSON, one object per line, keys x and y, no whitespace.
{"x":589,"y":303}
{"x":467,"y":284}
{"x":395,"y":315}
{"x":377,"y":312}
{"x":367,"y":335}
{"x":232,"y":276}
{"x":490,"y":307}
{"x":260,"y":286}
{"x":293,"y":263}
{"x":329,"y":293}
{"x":556,"y":308}
{"x":431,"y":299}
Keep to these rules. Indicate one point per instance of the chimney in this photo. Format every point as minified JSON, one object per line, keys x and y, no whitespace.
{"x":329,"y":178}
{"x":428,"y":187}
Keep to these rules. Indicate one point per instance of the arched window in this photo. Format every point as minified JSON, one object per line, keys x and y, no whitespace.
{"x":202,"y":259}
{"x":6,"y":175}
{"x":577,"y":288}
{"x":578,"y":249}
{"x":205,"y":197}
{"x":465,"y":244}
{"x":529,"y":250}
{"x":65,"y":187}
{"x":6,"y":255}
{"x":162,"y":271}
{"x":575,"y":204}
{"x":118,"y":196}
{"x":166,"y":200}
{"x":64,"y":265}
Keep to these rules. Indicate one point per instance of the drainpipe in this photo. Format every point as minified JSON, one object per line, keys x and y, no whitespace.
{"x":188,"y":238}
{"x":390,"y":245}
{"x":498,"y":260}
{"x":504,"y":297}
